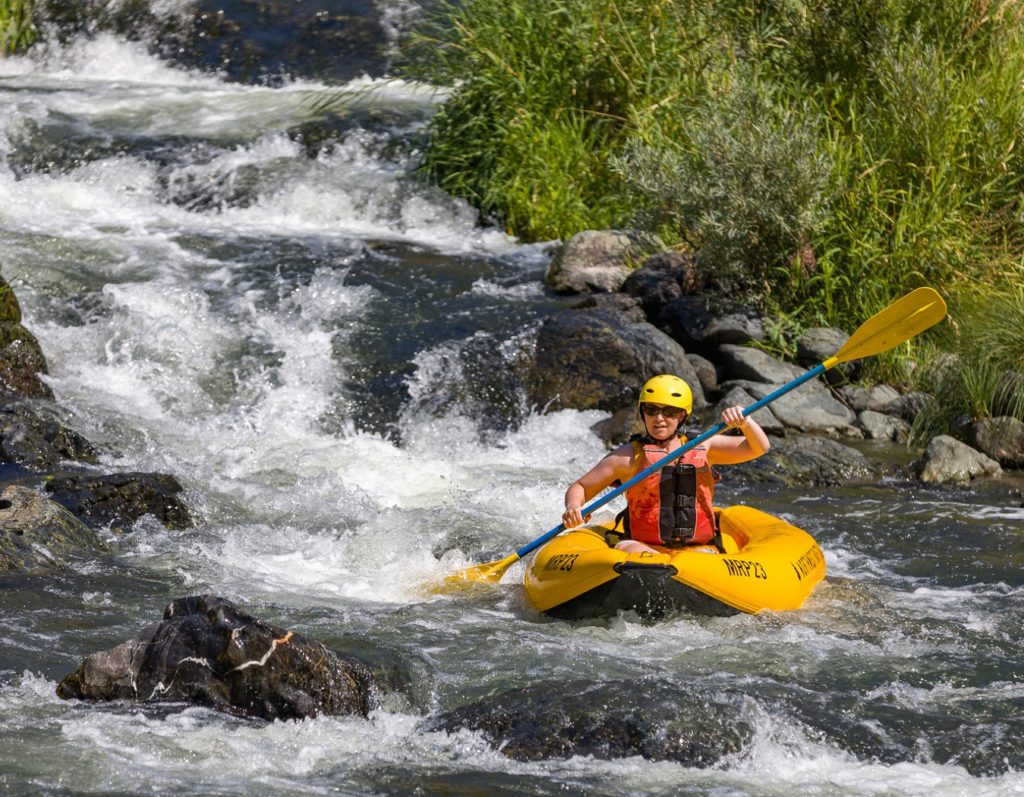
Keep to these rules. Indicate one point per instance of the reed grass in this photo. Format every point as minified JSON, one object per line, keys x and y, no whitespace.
{"x":985,"y":376}
{"x":17,"y":27}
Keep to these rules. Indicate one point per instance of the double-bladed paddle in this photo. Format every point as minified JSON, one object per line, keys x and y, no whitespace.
{"x":899,"y":322}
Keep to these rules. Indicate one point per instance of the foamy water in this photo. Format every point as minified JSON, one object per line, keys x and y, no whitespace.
{"x":209,"y":297}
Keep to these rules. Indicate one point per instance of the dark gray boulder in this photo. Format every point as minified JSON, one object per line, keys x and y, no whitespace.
{"x":655,"y":719}
{"x":703,"y":322}
{"x":746,"y":362}
{"x":117,"y":500}
{"x":807,"y":461}
{"x":706,"y":373}
{"x":663,"y":277}
{"x":809,"y":408}
{"x":37,"y":534}
{"x":29,"y":438}
{"x":598,"y":357}
{"x":1000,"y":438}
{"x":209,"y":652}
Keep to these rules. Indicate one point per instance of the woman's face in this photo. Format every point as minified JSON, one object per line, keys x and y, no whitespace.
{"x":661,"y":422}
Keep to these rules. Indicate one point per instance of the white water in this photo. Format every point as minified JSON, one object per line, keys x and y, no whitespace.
{"x":214,"y":343}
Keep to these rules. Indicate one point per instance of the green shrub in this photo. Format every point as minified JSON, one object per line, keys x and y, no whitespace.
{"x":746,"y":191}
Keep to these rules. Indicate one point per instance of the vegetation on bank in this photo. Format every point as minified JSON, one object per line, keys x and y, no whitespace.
{"x":17,"y":28}
{"x":823,"y":155}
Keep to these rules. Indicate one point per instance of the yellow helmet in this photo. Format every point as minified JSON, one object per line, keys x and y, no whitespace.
{"x":668,"y":390}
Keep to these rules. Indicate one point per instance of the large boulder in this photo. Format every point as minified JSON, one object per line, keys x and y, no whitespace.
{"x":703,"y":322}
{"x":809,"y":408}
{"x":595,"y":261}
{"x":597,"y":357}
{"x":807,"y":461}
{"x":746,"y":362}
{"x":37,"y":534}
{"x":209,"y":652}
{"x":117,"y":500}
{"x":1000,"y":438}
{"x":946,"y":459}
{"x":663,"y":277}
{"x":30,"y":438}
{"x":655,"y":719}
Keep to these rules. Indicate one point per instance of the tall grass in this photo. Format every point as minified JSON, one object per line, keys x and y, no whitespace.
{"x":985,"y":376}
{"x":17,"y":28}
{"x":883,"y":137}
{"x":546,"y":91}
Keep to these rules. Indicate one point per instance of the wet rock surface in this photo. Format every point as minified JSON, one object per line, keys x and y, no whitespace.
{"x":37,"y":534}
{"x":209,"y":652}
{"x":658,"y":720}
{"x":117,"y":500}
{"x":29,"y":438}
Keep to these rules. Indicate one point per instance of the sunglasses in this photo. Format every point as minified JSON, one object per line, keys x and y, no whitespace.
{"x":651,"y":410}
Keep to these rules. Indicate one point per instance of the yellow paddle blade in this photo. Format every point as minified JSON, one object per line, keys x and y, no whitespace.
{"x":489,"y":573}
{"x":919,"y":310}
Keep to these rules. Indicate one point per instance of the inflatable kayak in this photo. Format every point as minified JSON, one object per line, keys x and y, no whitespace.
{"x":763,"y":562}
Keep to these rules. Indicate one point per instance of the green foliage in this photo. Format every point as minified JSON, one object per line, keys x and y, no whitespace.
{"x":562,"y":81}
{"x":881,"y":137}
{"x":17,"y":29}
{"x":746,"y":191}
{"x":985,"y":378}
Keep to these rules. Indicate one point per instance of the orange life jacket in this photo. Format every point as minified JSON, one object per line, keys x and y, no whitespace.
{"x":673,"y":506}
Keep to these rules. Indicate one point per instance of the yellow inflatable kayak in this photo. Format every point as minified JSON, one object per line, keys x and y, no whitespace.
{"x":766,"y":564}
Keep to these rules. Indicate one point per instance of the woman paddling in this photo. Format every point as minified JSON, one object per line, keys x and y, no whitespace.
{"x":672,"y":507}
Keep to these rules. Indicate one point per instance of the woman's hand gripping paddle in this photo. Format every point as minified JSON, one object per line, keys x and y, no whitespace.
{"x":899,"y":322}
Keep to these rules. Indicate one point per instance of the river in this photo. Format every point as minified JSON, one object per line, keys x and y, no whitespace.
{"x":320,"y":349}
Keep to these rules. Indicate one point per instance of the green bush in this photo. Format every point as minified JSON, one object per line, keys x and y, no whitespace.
{"x":746,"y":191}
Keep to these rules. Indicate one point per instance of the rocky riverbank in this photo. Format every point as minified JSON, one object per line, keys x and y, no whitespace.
{"x":663,"y":317}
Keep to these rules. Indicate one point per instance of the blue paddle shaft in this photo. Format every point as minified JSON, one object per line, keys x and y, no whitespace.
{"x":661,"y":463}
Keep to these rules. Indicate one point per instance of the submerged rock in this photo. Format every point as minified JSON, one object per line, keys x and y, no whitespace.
{"x":658,"y":720}
{"x":209,"y":652}
{"x":38,"y":534}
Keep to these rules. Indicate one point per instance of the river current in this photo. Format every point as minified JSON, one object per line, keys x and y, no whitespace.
{"x":318,"y":347}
